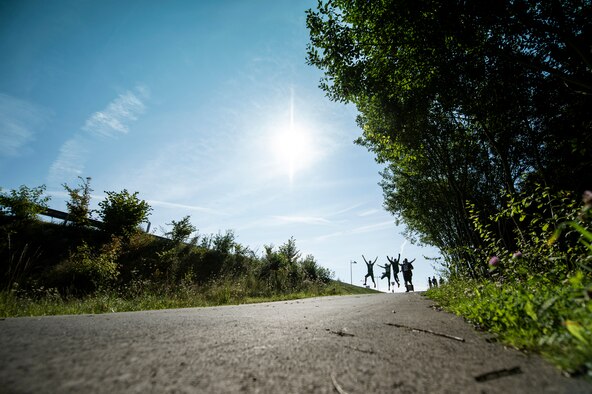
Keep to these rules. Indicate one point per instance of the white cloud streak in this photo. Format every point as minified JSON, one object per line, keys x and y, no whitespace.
{"x":114,"y":120}
{"x":70,"y":161}
{"x":358,"y":230}
{"x":19,"y":121}
{"x":116,"y":117}
{"x":368,"y":212}
{"x":302,"y":219}
{"x":197,"y":208}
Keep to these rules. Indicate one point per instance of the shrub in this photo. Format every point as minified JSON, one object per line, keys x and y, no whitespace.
{"x":25,"y":203}
{"x":315,"y":272}
{"x":123,"y":212}
{"x":552,"y":318}
{"x":78,"y":206}
{"x":87,"y":270}
{"x":181,"y":230}
{"x":534,"y":245}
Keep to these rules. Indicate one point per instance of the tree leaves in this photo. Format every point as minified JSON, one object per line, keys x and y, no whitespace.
{"x":461,"y":101}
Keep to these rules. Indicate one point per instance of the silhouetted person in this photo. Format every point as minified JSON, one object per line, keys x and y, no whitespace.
{"x":434,"y":282}
{"x":429,"y":282}
{"x":395,"y":265}
{"x":370,"y":270}
{"x":441,"y":281}
{"x":407,"y":267}
{"x":386,"y":274}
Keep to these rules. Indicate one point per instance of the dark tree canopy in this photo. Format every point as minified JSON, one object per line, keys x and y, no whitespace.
{"x":462,"y":100}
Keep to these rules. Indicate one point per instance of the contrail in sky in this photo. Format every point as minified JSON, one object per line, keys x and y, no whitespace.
{"x":403,"y":246}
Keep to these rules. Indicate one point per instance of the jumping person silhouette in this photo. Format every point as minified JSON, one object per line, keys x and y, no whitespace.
{"x":370,"y":270}
{"x":386,"y":274}
{"x":395,"y":265}
{"x":407,"y":274}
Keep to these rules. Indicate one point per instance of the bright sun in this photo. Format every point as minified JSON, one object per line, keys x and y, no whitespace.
{"x":293,"y":149}
{"x":291,"y":144}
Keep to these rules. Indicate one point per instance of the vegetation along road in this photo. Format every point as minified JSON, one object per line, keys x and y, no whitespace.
{"x":350,"y":344}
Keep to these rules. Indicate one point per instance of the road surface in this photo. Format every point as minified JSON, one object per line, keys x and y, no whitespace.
{"x":386,"y":343}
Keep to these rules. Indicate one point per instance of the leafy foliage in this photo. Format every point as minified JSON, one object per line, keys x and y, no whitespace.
{"x":25,"y":203}
{"x":532,"y":243}
{"x":78,"y":206}
{"x":50,"y":266}
{"x":471,"y":107}
{"x":537,"y":314}
{"x":532,"y":285}
{"x":123,"y":212}
{"x":181,"y":230}
{"x":462,"y":100}
{"x":87,"y":270}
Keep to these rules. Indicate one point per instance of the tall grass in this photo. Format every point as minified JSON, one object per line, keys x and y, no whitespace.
{"x":220,"y":292}
{"x":90,"y":272}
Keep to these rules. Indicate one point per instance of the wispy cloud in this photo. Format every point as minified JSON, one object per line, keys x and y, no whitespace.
{"x":368,"y":212}
{"x":302,"y":219}
{"x":70,"y":161}
{"x":115,"y":119}
{"x":19,"y":121}
{"x":358,"y":230}
{"x":197,"y":208}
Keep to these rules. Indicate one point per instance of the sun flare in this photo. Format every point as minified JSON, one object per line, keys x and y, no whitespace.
{"x":292,"y":149}
{"x":292,"y":146}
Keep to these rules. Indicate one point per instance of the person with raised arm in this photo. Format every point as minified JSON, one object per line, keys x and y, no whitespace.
{"x":386,"y":274}
{"x":407,"y":267}
{"x":395,"y":264}
{"x":370,"y":273}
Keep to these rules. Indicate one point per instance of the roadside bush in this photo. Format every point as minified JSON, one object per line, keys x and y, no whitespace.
{"x":78,"y":206}
{"x":87,"y":270}
{"x":139,"y":258}
{"x":554,"y":319}
{"x":122,"y":213}
{"x":531,"y":284}
{"x":285,"y":271}
{"x":314,"y":272}
{"x":181,"y":230}
{"x":25,"y":203}
{"x":535,"y":246}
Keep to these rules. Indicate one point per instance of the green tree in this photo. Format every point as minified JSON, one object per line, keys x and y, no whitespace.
{"x":290,"y":251}
{"x":78,"y":206}
{"x":25,"y":203}
{"x":462,"y":101}
{"x":123,"y":212}
{"x":181,"y":230}
{"x":313,"y":271}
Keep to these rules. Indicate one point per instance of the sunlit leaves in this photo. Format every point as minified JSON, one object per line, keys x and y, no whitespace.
{"x":24,"y":203}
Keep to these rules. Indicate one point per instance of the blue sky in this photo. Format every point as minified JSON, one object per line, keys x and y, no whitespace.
{"x":207,"y":109}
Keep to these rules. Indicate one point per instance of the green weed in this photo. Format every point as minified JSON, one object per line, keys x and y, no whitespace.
{"x":553,"y":319}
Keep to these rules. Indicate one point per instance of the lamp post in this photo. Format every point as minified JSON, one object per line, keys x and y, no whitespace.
{"x":351,"y":277}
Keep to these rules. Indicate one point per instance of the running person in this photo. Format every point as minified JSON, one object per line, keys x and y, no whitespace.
{"x":395,"y":265}
{"x":370,"y":270}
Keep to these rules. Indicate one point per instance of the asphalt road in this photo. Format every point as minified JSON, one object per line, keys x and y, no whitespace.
{"x":387,"y":343}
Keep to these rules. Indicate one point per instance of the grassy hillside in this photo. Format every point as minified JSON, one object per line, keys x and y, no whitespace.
{"x":58,"y":269}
